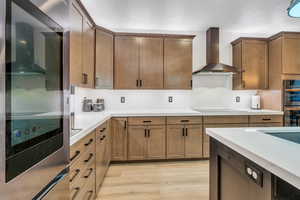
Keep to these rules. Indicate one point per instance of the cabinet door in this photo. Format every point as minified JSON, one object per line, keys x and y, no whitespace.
{"x":156,"y":147}
{"x":119,"y":139}
{"x":175,"y":141}
{"x":76,"y":21}
{"x":137,"y":143}
{"x":151,"y":63}
{"x":126,"y":62}
{"x":255,"y":64}
{"x":104,"y":60}
{"x":88,"y":55}
{"x":177,"y":63}
{"x":237,"y":63}
{"x":100,"y":170}
{"x":206,"y":147}
{"x":193,"y":141}
{"x":291,"y":52}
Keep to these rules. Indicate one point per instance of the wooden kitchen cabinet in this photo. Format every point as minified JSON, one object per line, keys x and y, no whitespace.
{"x":76,"y":24}
{"x":119,"y":139}
{"x":137,"y":143}
{"x":184,"y":140}
{"x":88,"y":55}
{"x":250,"y":57}
{"x":178,"y":63}
{"x":104,"y":60}
{"x":146,"y":142}
{"x":151,"y":63}
{"x":126,"y":63}
{"x":82,"y":45}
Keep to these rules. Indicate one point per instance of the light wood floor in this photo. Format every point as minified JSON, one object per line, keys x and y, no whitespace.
{"x":186,"y":180}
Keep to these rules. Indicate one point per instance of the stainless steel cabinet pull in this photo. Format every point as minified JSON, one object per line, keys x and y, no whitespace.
{"x":89,"y":158}
{"x":75,"y":156}
{"x":90,"y":142}
{"x":76,"y":193}
{"x":90,"y":172}
{"x":77,"y":171}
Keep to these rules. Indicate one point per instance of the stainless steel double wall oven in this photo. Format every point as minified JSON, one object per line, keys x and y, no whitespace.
{"x":34,"y":110}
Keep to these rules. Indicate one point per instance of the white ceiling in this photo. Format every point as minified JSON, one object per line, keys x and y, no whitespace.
{"x":245,"y":16}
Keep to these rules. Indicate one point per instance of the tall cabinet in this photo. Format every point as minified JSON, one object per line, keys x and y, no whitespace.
{"x":82,"y":44}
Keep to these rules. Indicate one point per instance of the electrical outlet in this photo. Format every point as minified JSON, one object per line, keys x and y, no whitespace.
{"x":170,"y":99}
{"x":237,"y":99}
{"x":122,"y":99}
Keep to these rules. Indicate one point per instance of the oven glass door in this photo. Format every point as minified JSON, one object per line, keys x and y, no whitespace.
{"x":34,"y":89}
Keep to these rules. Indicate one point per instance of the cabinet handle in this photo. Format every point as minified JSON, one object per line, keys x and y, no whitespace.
{"x":91,"y":194}
{"x":147,"y":121}
{"x":183,"y":132}
{"x":77,"y":171}
{"x":185,"y":120}
{"x":77,"y":189}
{"x":89,"y":158}
{"x":102,"y":130}
{"x":125,"y":124}
{"x":84,"y":78}
{"x":186,"y":131}
{"x":148,"y":132}
{"x":243,"y":84}
{"x":104,"y":136}
{"x":266,"y":119}
{"x":141,"y":83}
{"x":137,"y":83}
{"x":75,"y":156}
{"x":90,"y":142}
{"x":90,"y":172}
{"x":145,"y":132}
{"x":191,"y":83}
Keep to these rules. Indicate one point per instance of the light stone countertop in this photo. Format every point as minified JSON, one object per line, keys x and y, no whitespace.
{"x":279,"y":156}
{"x":90,"y":121}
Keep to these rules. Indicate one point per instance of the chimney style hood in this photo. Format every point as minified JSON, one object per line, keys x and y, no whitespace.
{"x":212,"y":54}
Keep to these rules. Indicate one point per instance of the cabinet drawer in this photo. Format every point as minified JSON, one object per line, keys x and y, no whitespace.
{"x":86,"y":191}
{"x":184,"y":120}
{"x":81,"y":147}
{"x":225,"y":119}
{"x":100,"y":131}
{"x":266,"y":119}
{"x":146,"y":121}
{"x":84,"y":160}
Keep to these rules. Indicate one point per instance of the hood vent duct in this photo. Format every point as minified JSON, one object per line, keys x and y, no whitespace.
{"x":212,"y":54}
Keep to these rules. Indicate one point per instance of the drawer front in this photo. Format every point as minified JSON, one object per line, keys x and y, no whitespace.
{"x":84,"y":160}
{"x":266,"y":125}
{"x":85,"y":192}
{"x":184,"y":120}
{"x":81,"y":147}
{"x":101,"y":130}
{"x":146,"y":121}
{"x":225,"y":119}
{"x":266,"y":119}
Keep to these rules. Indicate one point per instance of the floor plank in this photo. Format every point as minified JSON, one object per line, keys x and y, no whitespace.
{"x":157,"y":181}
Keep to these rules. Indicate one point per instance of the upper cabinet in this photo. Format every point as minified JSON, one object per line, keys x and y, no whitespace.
{"x":126,"y":63}
{"x":104,"y":60}
{"x":155,"y":62}
{"x":138,"y":63}
{"x":178,"y":63}
{"x":82,"y":45}
{"x":250,"y":57}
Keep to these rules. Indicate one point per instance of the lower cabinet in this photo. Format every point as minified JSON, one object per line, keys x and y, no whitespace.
{"x":146,"y":142}
{"x":119,"y":139}
{"x":184,"y":141}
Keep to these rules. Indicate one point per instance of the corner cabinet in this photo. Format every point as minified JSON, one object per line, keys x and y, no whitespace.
{"x":104,"y":60}
{"x":250,"y":57}
{"x":82,"y":45}
{"x":178,"y":61}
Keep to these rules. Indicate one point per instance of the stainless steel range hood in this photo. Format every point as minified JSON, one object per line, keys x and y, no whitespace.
{"x":212,"y":54}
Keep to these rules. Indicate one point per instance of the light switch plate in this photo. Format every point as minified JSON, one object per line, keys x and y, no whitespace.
{"x":170,"y":99}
